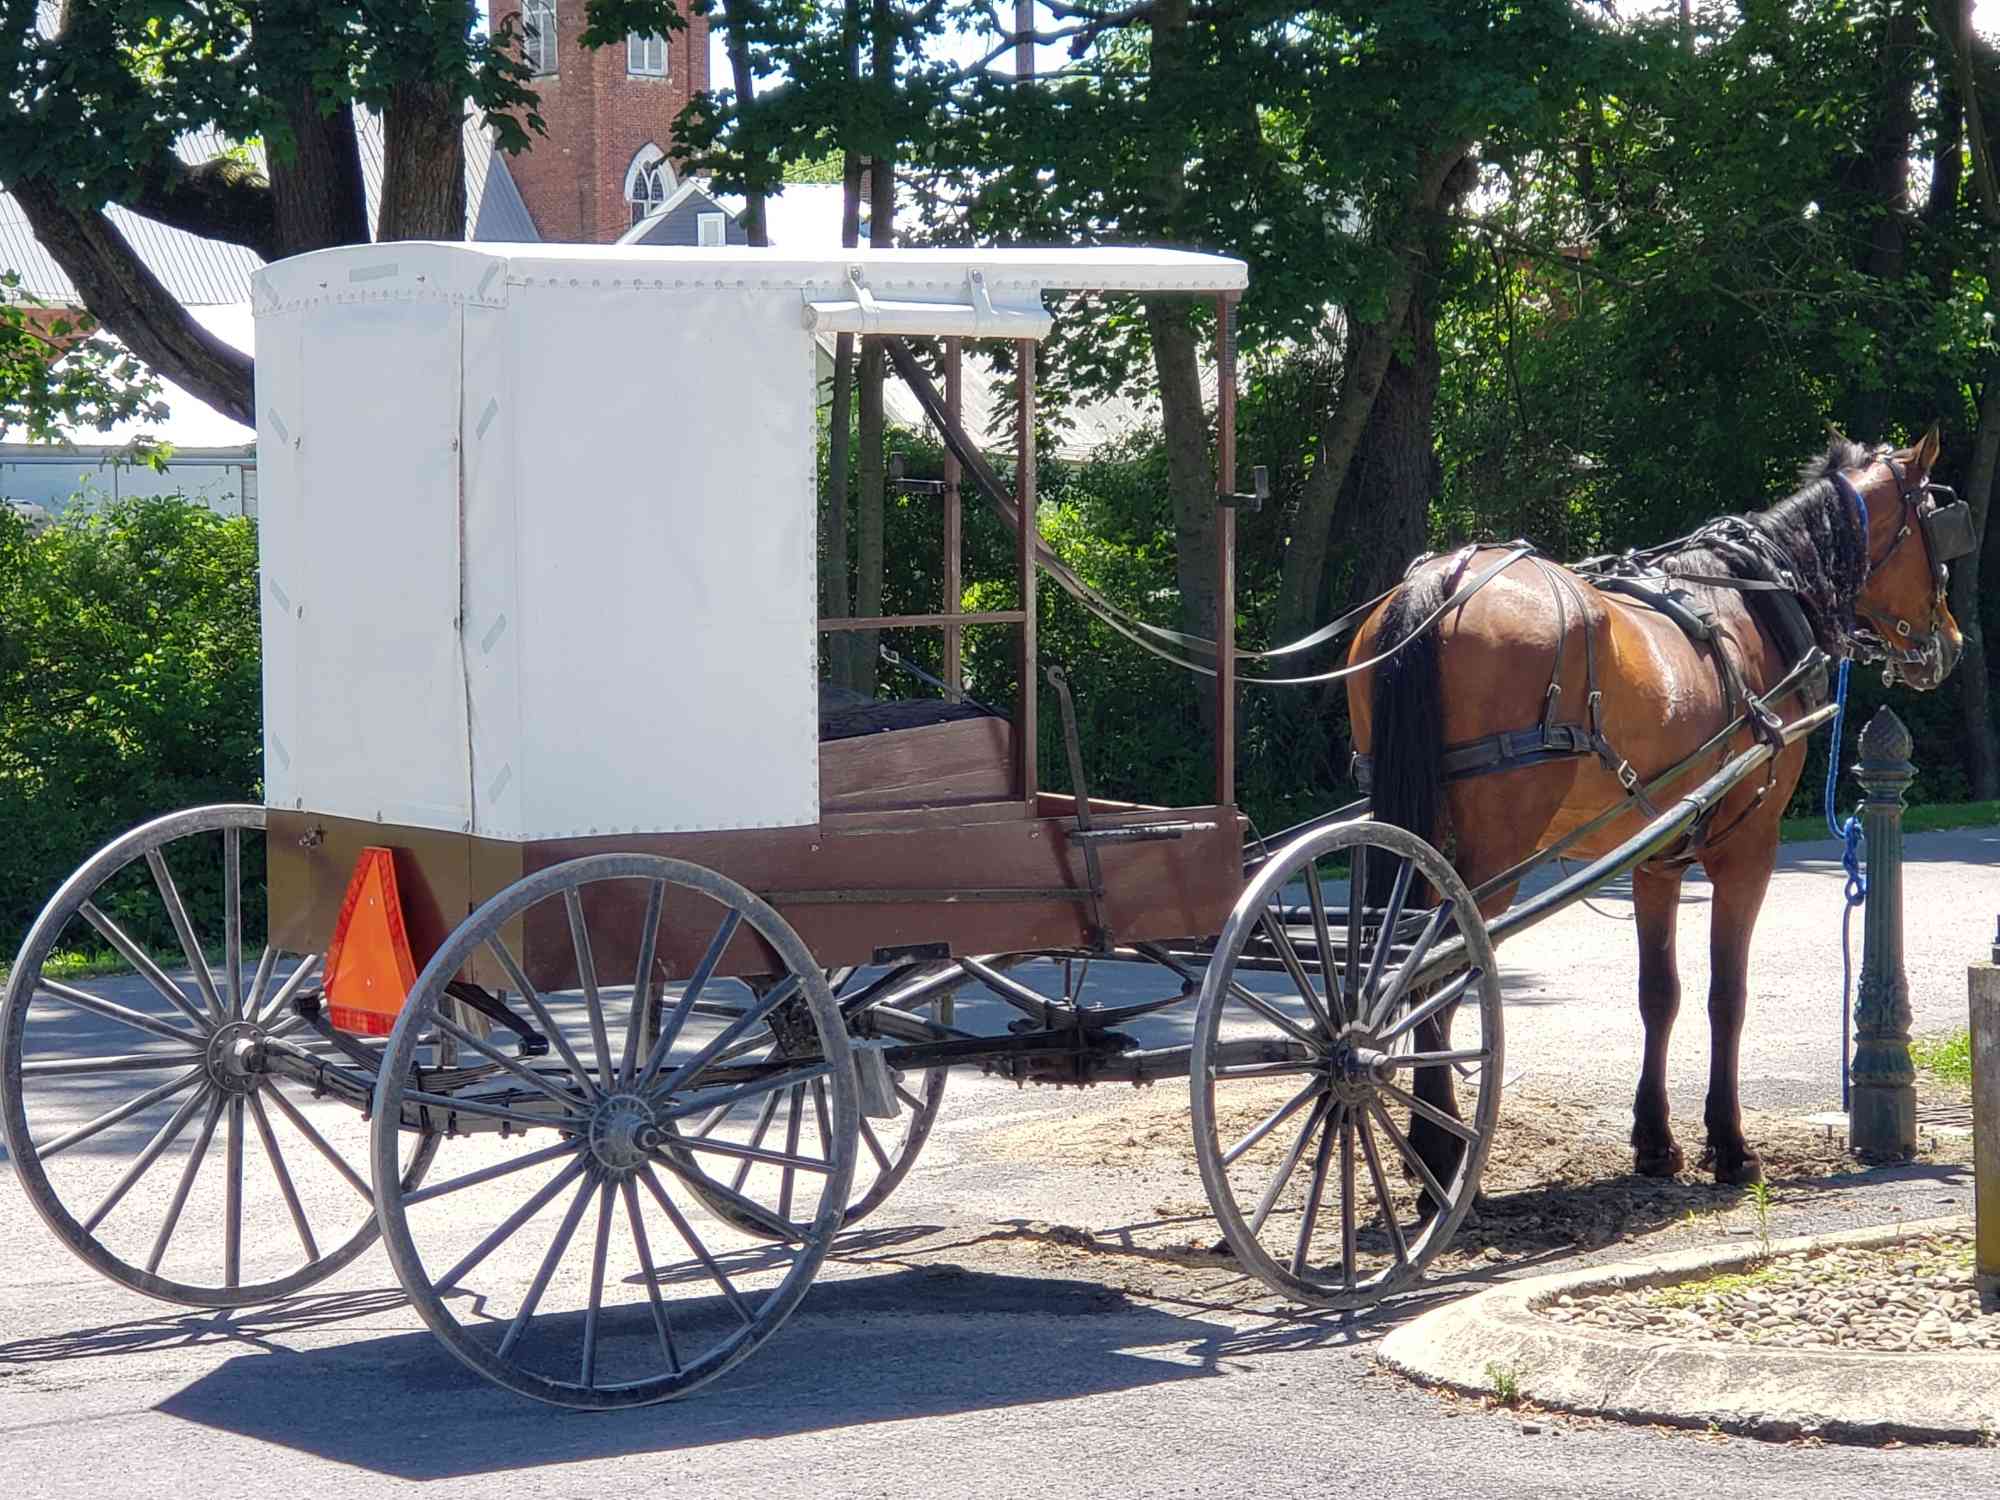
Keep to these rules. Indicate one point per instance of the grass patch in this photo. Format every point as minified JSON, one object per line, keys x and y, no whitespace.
{"x":1930,"y":817}
{"x":1688,"y":1293}
{"x":1947,"y":1056}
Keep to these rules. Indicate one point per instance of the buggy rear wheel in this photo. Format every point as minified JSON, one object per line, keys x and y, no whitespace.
{"x":561,"y":1255}
{"x":1314,"y":1033}
{"x":149,"y":1154}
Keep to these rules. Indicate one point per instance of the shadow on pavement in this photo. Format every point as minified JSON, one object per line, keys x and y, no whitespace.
{"x":911,"y":1343}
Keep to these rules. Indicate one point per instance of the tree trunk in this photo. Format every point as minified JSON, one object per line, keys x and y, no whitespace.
{"x":1982,"y":755}
{"x":423,"y":164}
{"x":316,"y":190}
{"x":1190,"y":478}
{"x":738,"y":16}
{"x":133,"y":306}
{"x":1365,"y":365}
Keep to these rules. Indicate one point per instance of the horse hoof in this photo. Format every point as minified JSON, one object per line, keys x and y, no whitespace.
{"x":1749,"y":1169}
{"x":1667,"y":1163}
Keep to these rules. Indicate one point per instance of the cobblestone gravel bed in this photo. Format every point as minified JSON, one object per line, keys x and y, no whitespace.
{"x":1915,"y":1296}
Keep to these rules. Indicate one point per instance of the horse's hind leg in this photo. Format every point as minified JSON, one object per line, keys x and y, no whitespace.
{"x":1656,"y":895}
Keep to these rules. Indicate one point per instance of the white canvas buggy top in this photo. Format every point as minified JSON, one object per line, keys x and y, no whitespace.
{"x":539,"y":522}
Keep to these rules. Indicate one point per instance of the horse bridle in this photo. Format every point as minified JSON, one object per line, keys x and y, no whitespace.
{"x":1943,"y":522}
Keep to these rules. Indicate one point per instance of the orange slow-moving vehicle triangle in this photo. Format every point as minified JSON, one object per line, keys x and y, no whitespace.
{"x":369,"y":971}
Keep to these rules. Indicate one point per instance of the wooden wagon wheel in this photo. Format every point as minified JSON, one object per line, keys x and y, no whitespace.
{"x":1342,"y":1116}
{"x":601,"y":1131}
{"x":117,"y":1080}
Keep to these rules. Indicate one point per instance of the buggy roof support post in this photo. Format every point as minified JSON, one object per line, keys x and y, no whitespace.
{"x":1225,"y":551}
{"x":954,"y":549}
{"x":1027,"y":534}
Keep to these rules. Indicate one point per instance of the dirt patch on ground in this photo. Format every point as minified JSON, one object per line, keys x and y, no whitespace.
{"x":1558,"y":1182}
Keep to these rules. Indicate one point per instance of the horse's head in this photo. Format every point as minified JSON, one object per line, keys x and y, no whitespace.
{"x":1914,"y":528}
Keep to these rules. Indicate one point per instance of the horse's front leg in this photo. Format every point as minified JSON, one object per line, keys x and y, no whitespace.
{"x":1740,"y":883}
{"x":1656,"y":898}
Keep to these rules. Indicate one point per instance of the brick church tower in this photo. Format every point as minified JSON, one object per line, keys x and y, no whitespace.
{"x":610,"y":115}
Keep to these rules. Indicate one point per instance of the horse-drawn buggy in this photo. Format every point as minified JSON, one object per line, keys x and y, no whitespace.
{"x":579,"y":954}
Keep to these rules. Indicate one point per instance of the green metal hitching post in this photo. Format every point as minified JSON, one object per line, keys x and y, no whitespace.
{"x":1882,"y":1116}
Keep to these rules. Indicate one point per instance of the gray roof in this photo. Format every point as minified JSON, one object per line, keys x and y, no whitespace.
{"x":202,"y":272}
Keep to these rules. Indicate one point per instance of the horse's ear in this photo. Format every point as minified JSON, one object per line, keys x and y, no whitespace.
{"x":1925,"y":454}
{"x":1836,"y":434}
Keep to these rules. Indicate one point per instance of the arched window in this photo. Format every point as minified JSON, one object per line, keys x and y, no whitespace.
{"x":648,"y":181}
{"x":538,"y":35}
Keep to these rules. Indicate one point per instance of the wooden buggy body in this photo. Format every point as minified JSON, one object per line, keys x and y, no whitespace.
{"x":539,"y":540}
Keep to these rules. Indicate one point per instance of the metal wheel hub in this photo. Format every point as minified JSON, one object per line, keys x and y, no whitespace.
{"x":622,"y":1131}
{"x":1354,"y":1069}
{"x":233,"y":1060}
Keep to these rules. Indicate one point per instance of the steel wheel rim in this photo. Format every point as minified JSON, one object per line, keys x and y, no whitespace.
{"x":635,"y":1182}
{"x":222,"y":1126}
{"x":1344,"y":1167}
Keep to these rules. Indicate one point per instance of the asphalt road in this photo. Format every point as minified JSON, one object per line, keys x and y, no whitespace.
{"x":938,"y":1357}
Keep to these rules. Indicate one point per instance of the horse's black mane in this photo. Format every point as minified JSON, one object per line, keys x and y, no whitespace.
{"x":1817,"y":533}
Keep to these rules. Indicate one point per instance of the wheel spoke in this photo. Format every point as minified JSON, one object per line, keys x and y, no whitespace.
{"x":1276,"y":1017}
{"x":1313,"y":1194}
{"x":1382,"y":1192}
{"x":1286,"y":1167}
{"x":232,"y":924}
{"x":642,"y":980}
{"x":874,"y":1146}
{"x":909,"y":1098}
{"x":748,"y":1208}
{"x":456,"y":1104}
{"x":550,"y":1029}
{"x":1429,"y":1006}
{"x":142,"y":961}
{"x":1357,"y":910}
{"x":789,"y":1160}
{"x":188,"y":1174}
{"x":588,"y":1372}
{"x":661,"y":1325}
{"x":771,"y":1084}
{"x":792,"y":1154}
{"x":764,"y":1117}
{"x":124,"y":1111}
{"x":1273,"y":1120}
{"x":1393,"y":996}
{"x":318,"y":1142}
{"x":527,"y":1075}
{"x":507,"y":1226}
{"x":1410,"y":1158}
{"x":163,"y":1138}
{"x":1385,"y":935}
{"x":1237,"y":1071}
{"x":568,"y":1146}
{"x":84,"y":1067}
{"x":111,"y":1010}
{"x":1274,"y":929}
{"x":697,"y":981}
{"x":1348,"y":1236}
{"x":170,"y":894}
{"x":1323,"y":940}
{"x":586,"y":974}
{"x":550,"y":1260}
{"x":690,"y":1069}
{"x":266,"y":961}
{"x":278,"y":1169}
{"x":294,"y":982}
{"x":1438,"y":1059}
{"x":232,"y":1213}
{"x":823,"y":1116}
{"x":1425,"y":1109}
{"x":693,"y":1242}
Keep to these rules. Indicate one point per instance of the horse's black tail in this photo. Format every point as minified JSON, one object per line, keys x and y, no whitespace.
{"x":1407,"y":747}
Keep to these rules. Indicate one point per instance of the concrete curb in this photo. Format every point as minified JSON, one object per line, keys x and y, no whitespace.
{"x":1847,"y":1395}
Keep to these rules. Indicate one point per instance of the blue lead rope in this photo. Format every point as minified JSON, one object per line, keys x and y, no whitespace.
{"x":1848,"y":831}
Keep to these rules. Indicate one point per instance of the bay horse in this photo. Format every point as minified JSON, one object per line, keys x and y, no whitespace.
{"x":1440,"y":724}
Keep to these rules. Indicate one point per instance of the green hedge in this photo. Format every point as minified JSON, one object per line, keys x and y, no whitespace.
{"x":129,"y":687}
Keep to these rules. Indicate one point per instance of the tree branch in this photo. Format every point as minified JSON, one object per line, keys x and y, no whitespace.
{"x":221,"y":199}
{"x":130,"y":302}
